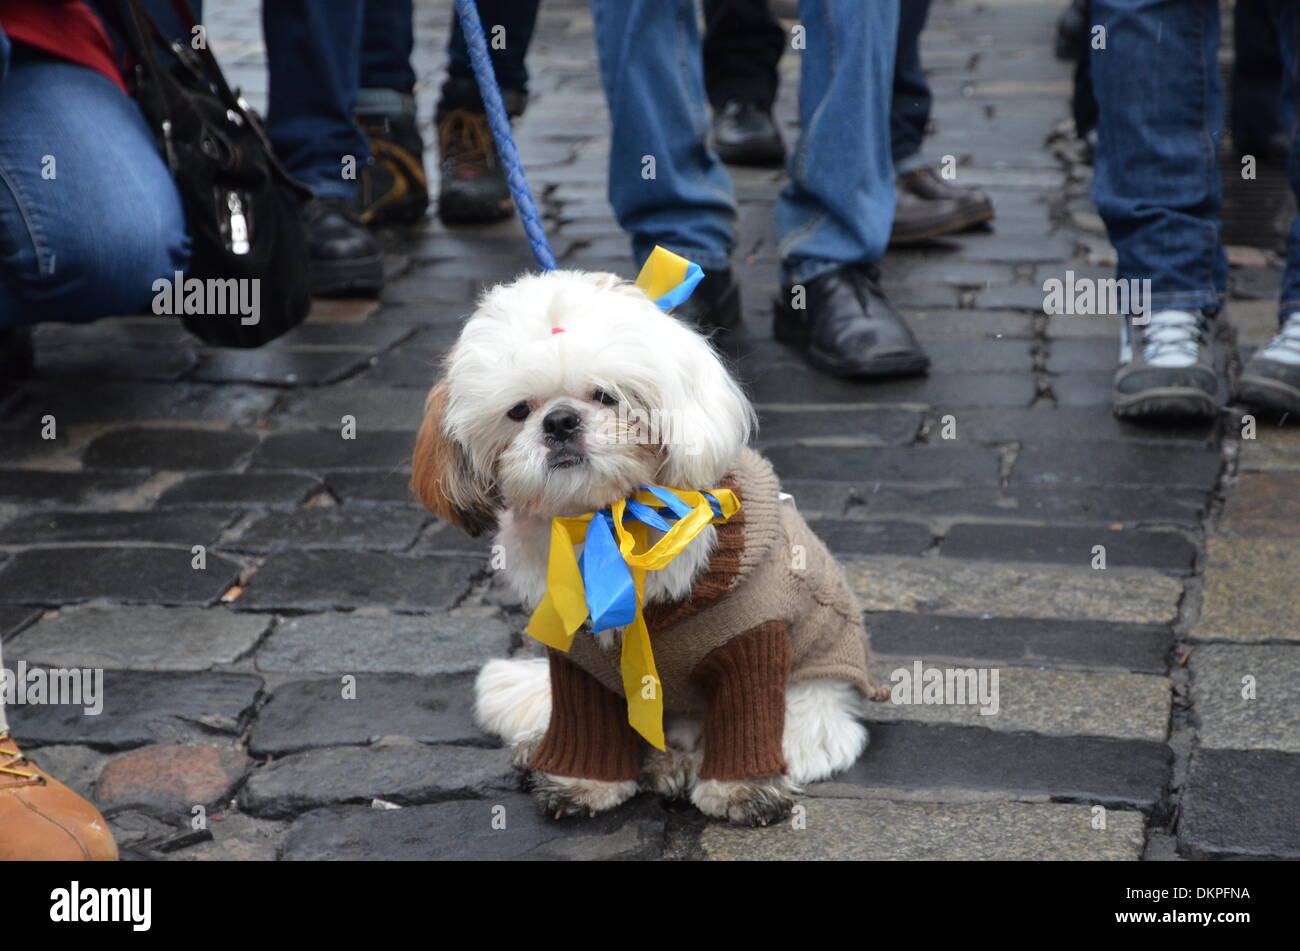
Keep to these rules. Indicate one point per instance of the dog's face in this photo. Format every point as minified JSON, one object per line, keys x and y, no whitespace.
{"x":565,"y":391}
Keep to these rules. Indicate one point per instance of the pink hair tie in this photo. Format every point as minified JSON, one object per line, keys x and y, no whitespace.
{"x":556,"y":330}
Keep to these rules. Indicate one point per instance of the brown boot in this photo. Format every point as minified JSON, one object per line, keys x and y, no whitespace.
{"x":43,"y":820}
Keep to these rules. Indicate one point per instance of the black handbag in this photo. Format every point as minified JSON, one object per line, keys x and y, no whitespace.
{"x":242,"y":209}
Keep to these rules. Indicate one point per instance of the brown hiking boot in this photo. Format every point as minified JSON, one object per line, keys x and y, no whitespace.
{"x":473,"y":189}
{"x":43,"y":820}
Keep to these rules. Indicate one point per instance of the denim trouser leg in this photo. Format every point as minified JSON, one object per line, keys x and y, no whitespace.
{"x":387,"y":39}
{"x":839,"y":205}
{"x":1156,"y":182}
{"x":313,"y":53}
{"x":909,"y":110}
{"x":89,"y":214}
{"x":666,"y":185}
{"x":517,"y":19}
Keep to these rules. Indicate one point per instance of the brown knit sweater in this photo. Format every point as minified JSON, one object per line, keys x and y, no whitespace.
{"x":771,"y":608}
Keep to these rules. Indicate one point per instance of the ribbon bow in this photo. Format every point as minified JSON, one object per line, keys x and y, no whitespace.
{"x":667,"y":278}
{"x":607,"y":584}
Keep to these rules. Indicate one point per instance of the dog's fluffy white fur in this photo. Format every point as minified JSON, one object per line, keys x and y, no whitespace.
{"x":653,"y":404}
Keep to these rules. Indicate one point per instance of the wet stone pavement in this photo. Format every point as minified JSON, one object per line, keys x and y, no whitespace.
{"x":1121,"y":689}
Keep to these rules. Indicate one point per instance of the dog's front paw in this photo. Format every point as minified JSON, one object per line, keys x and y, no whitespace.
{"x":759,"y":801}
{"x":561,"y":796}
{"x":524,"y":749}
{"x":670,"y":773}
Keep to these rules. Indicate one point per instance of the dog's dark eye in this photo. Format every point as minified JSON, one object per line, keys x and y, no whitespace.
{"x":600,"y":396}
{"x":519,"y":412}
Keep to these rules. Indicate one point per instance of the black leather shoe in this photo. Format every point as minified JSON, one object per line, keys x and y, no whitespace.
{"x":345,"y":259}
{"x":714,"y":305}
{"x":744,"y":134}
{"x":847,"y":328}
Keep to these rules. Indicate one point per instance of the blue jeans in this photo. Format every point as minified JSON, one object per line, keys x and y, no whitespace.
{"x":313,"y":55}
{"x":909,"y":112}
{"x":89,"y":214}
{"x":839,"y":205}
{"x":1157,"y":185}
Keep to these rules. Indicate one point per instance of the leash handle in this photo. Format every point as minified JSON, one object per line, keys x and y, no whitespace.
{"x":499,"y":123}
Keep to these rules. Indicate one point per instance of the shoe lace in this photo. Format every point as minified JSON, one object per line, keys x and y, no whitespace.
{"x":1173,"y":332}
{"x":1288,"y":338}
{"x":11,"y":759}
{"x":465,"y":138}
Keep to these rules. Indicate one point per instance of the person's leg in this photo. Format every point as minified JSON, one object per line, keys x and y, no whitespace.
{"x":839,"y":204}
{"x":313,"y":54}
{"x":1271,"y":380}
{"x":1157,"y":188}
{"x":665,"y":184}
{"x":835,"y":215}
{"x":89,"y":214}
{"x":909,"y":110}
{"x":743,"y":42}
{"x":387,"y":40}
{"x":1257,"y":76}
{"x":473,"y":186}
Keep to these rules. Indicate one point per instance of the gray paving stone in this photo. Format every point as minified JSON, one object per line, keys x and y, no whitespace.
{"x":1060,"y":503}
{"x":1030,"y":642}
{"x":330,"y":580}
{"x":174,"y":528}
{"x":1066,"y":461}
{"x":107,"y":402}
{"x":96,"y":359}
{"x":1240,"y":804}
{"x":141,"y":708}
{"x":946,"y":324}
{"x":1130,"y":595}
{"x":406,"y":774}
{"x":1010,"y":297}
{"x":872,"y":538}
{"x":787,"y":384}
{"x":1168,"y":551}
{"x":13,"y":618}
{"x":37,"y":487}
{"x":133,"y":575}
{"x":1115,"y":704}
{"x":1088,"y":388}
{"x":373,"y":337}
{"x":279,"y":367}
{"x":853,"y":830}
{"x":396,"y":643}
{"x":77,"y":767}
{"x":947,"y":761}
{"x":248,"y":489}
{"x":442,"y":538}
{"x":465,"y":831}
{"x":884,"y":427}
{"x":928,"y":464}
{"x":310,"y":714}
{"x":1088,"y":424}
{"x":1243,"y":595}
{"x":373,"y":407}
{"x":140,"y":638}
{"x":175,"y":449}
{"x":311,"y":529}
{"x":1099,"y":353}
{"x":323,"y":449}
{"x":1232,"y":714}
{"x":372,"y":487}
{"x":238,"y":838}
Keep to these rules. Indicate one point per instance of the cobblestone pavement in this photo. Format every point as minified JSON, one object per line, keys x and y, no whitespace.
{"x":1120,"y":688}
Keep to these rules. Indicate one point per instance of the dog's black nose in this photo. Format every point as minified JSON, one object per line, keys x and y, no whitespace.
{"x":561,"y":423}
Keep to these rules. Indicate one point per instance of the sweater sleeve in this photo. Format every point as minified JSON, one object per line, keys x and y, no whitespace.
{"x":745,"y":680}
{"x":588,"y":736}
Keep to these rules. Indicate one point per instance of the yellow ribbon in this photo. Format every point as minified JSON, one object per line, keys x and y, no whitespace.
{"x":563,"y":607}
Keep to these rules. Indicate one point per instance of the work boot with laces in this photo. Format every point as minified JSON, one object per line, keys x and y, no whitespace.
{"x":473,"y":187}
{"x":1271,"y":380}
{"x":43,"y":820}
{"x":1167,"y":368}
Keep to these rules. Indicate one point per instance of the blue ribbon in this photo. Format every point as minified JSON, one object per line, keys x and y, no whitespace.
{"x":606,"y":577}
{"x":679,"y":294}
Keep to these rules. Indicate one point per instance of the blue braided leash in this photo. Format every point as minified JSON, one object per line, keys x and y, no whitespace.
{"x":499,"y":123}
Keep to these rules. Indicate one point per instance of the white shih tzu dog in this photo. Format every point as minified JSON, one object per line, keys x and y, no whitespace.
{"x":567,"y":393}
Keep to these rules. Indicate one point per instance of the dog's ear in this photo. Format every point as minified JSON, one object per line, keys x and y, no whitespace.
{"x":442,"y":476}
{"x":606,"y":281}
